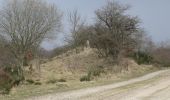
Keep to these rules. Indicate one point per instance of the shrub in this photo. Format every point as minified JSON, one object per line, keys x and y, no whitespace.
{"x":52,"y":81}
{"x":14,"y":73}
{"x":5,"y":82}
{"x":142,"y":58}
{"x":161,"y":56}
{"x":85,"y":78}
{"x":37,"y":83}
{"x":61,"y":80}
{"x":92,"y":72}
{"x":30,"y":81}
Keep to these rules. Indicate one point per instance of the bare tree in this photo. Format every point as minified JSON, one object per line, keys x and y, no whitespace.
{"x":144,"y":42}
{"x":26,"y":23}
{"x":76,"y":26}
{"x":114,"y":29}
{"x":140,"y":39}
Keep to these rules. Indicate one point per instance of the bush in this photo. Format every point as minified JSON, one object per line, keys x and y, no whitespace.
{"x":93,"y":72}
{"x":142,"y":58}
{"x":161,"y":56}
{"x":5,"y":82}
{"x":14,"y":73}
{"x":52,"y":81}
{"x":30,"y":81}
{"x":37,"y":83}
{"x":85,"y":78}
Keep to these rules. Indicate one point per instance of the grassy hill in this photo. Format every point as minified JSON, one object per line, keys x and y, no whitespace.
{"x":63,"y":73}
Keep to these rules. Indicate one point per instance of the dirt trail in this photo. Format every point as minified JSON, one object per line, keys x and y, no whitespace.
{"x":156,"y":90}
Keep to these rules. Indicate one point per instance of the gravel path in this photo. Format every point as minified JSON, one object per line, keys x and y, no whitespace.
{"x":158,"y":90}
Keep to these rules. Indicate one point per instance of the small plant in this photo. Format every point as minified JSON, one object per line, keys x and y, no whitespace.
{"x":5,"y":82}
{"x":61,"y":80}
{"x":37,"y":83}
{"x":14,"y":71}
{"x":85,"y":78}
{"x":92,"y":72}
{"x":30,"y":81}
{"x":5,"y":88}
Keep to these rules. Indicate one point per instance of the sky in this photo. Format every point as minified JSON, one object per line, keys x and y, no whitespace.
{"x":154,"y":16}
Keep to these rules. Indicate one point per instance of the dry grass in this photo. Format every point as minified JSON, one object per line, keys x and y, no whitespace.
{"x":71,"y":68}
